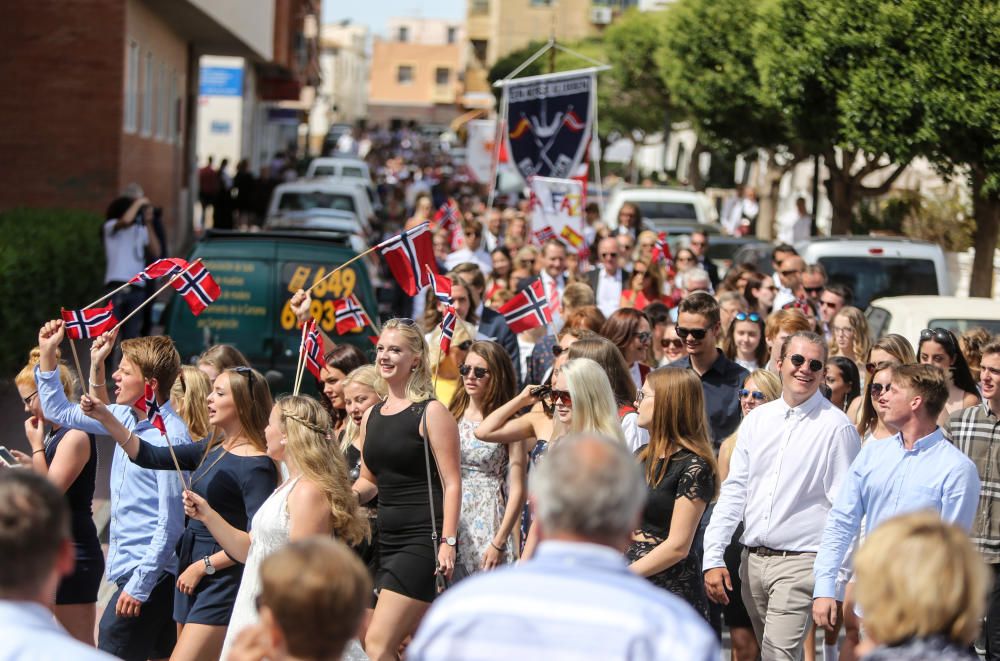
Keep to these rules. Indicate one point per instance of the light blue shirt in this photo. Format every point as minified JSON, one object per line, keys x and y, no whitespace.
{"x":147,"y":514}
{"x":571,"y":601}
{"x":29,"y":632}
{"x":886,"y":480}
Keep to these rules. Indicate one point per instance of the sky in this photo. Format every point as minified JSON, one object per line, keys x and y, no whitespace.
{"x":375,"y":13}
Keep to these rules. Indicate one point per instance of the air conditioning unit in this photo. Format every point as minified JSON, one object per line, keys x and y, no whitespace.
{"x":600,"y":15}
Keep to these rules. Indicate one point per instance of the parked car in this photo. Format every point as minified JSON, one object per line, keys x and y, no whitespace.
{"x":726,"y":251}
{"x":662,"y":209}
{"x":309,"y":194}
{"x":908,"y":315}
{"x":878,"y":267}
{"x":258,"y":272}
{"x":345,"y":168}
{"x":327,"y":220}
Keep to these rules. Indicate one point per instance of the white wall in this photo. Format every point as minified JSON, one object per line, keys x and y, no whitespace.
{"x":221,"y":129}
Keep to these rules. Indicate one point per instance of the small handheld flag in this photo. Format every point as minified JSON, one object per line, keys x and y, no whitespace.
{"x":349,"y":314}
{"x":314,"y":349}
{"x":161,"y":268}
{"x":544,"y":234}
{"x":442,"y":287}
{"x":81,"y":324}
{"x":529,"y":309}
{"x":661,"y":251}
{"x":147,"y":403}
{"x":197,"y":287}
{"x":406,"y":254}
{"x":448,"y":328}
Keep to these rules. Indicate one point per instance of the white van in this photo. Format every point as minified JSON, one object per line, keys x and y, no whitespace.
{"x":347,"y":170}
{"x":662,"y":209}
{"x":306,"y":195}
{"x":877,"y":267}
{"x":908,"y":315}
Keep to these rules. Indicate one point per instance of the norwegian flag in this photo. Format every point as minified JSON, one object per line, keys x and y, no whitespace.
{"x":442,"y":287}
{"x":147,"y":403}
{"x":349,"y":314}
{"x":544,"y":235}
{"x":527,"y":310}
{"x":449,"y":218}
{"x":448,"y":328}
{"x":407,"y":254}
{"x":661,"y":252}
{"x":81,"y":324}
{"x":313,"y":349}
{"x":197,"y":287}
{"x":161,"y":268}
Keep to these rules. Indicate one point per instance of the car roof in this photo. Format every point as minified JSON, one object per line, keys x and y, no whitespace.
{"x":647,"y":193}
{"x":320,"y":184}
{"x":864,"y":245}
{"x":958,"y":307}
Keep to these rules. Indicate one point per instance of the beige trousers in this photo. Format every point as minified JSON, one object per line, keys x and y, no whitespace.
{"x":777,"y":592}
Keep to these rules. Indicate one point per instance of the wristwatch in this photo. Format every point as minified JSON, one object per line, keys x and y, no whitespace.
{"x":209,"y":569}
{"x":450,"y":541}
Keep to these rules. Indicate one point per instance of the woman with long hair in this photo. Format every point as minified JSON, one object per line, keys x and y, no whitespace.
{"x":445,"y":365}
{"x":631,"y":332}
{"x":939,"y":347}
{"x":68,"y":459}
{"x":583,"y":400}
{"x":218,"y":358}
{"x":759,"y":388}
{"x":607,"y":355}
{"x":188,"y":396}
{"x":759,"y":292}
{"x":404,"y":437}
{"x":423,"y":210}
{"x":891,"y":348}
{"x":684,"y":261}
{"x":338,"y":362}
{"x":488,"y":514}
{"x":316,"y":499}
{"x":681,"y":479}
{"x":744,"y":343}
{"x":646,"y":286}
{"x":500,"y":278}
{"x":235,"y":476}
{"x":844,"y":381}
{"x":851,"y":337}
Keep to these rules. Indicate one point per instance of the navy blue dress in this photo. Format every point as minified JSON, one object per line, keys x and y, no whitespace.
{"x":82,"y":585}
{"x":235,"y":487}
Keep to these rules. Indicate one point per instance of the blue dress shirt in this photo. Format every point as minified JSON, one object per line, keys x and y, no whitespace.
{"x":886,"y":480}
{"x":147,"y":514}
{"x":30,"y":632}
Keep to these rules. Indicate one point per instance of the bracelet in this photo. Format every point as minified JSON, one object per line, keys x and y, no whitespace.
{"x":34,"y":452}
{"x":496,"y":547}
{"x":97,"y":385}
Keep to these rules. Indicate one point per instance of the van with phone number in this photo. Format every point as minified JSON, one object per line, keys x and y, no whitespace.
{"x":258,"y":273}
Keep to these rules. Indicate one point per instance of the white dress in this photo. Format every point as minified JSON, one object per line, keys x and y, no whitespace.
{"x":269,"y":532}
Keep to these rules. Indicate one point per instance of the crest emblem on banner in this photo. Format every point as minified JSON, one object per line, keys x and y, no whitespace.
{"x":549,"y":123}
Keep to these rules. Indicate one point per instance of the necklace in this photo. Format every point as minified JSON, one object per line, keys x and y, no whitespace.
{"x":214,"y":461}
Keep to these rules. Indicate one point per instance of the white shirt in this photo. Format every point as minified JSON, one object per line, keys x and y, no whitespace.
{"x":794,"y":228}
{"x":463,"y":255}
{"x":609,"y":291}
{"x":783,"y":477}
{"x":548,"y":282}
{"x":125,"y":251}
{"x":635,"y":436}
{"x":29,"y":632}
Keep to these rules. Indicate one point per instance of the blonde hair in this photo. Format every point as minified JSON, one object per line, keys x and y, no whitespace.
{"x":767,"y":382}
{"x":419,"y":385}
{"x":462,"y":334}
{"x":366,"y":375}
{"x":308,"y":429}
{"x":26,"y":377}
{"x":188,"y":396}
{"x":862,"y":336}
{"x":918,"y":576}
{"x":157,"y":358}
{"x":317,"y":590}
{"x":594,"y":408}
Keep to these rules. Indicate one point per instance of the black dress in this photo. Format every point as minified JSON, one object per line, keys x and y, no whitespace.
{"x":687,"y":476}
{"x":394,"y":453}
{"x":235,"y":487}
{"x":82,"y":585}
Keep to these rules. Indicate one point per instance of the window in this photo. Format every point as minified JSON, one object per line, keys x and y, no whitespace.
{"x":541,"y":3}
{"x":479,"y":47}
{"x":162,"y":103}
{"x":452,"y":34}
{"x":131,"y":87}
{"x":174,"y":110}
{"x":442,"y":75}
{"x":147,"y":97}
{"x":404,"y":33}
{"x":480,"y":7}
{"x":404,"y":75}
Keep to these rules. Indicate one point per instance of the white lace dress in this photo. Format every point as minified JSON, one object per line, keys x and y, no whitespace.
{"x":269,"y":532}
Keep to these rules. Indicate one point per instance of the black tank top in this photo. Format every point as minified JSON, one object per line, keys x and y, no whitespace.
{"x":80,"y":494}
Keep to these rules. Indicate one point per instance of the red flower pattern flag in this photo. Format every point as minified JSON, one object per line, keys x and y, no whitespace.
{"x":197,"y":287}
{"x":349,"y":314}
{"x":313,"y":349}
{"x":529,"y":309}
{"x":83,"y":324}
{"x":407,"y":254}
{"x":147,"y":404}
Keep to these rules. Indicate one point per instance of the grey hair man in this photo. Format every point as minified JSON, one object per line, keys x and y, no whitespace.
{"x":697,"y":279}
{"x":576,"y":597}
{"x":37,"y":551}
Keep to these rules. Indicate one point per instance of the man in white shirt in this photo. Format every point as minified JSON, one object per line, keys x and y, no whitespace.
{"x":790,"y":458}
{"x":472,"y":251}
{"x":796,"y":226}
{"x":575,"y":598}
{"x":608,"y":280}
{"x":126,"y":236}
{"x":37,"y":551}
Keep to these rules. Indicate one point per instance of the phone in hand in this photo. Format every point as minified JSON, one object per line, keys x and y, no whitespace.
{"x":8,"y":459}
{"x":540,"y":391}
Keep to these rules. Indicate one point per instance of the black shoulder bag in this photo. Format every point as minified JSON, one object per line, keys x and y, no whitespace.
{"x":440,"y":580}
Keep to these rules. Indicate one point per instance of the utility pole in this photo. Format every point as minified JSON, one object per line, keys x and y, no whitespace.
{"x":552,"y":37}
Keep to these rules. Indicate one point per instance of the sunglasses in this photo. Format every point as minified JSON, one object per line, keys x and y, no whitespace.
{"x":939,"y":335}
{"x":560,"y":397}
{"x":644,"y":336}
{"x":246,"y":372}
{"x":404,"y":321}
{"x":743,"y":316}
{"x":743,"y":393}
{"x":798,"y":360}
{"x":671,"y":343}
{"x":827,"y":304}
{"x":479,"y":372}
{"x":696,"y":333}
{"x":789,"y":273}
{"x":877,"y":389}
{"x":813,"y":290}
{"x":465,"y":346}
{"x":609,"y":254}
{"x":557,"y":350}
{"x":27,"y":400}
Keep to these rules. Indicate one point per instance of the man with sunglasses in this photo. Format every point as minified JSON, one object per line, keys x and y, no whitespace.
{"x":976,"y":432}
{"x":832,"y":300}
{"x":790,"y":276}
{"x":790,"y":458}
{"x":699,"y":246}
{"x":915,"y":469}
{"x":699,"y":329}
{"x":608,"y":280}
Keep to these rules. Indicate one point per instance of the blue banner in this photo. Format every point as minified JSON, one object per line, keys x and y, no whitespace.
{"x":221,"y":81}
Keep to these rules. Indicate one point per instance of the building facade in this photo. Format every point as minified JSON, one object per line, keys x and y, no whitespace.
{"x":342,"y":97}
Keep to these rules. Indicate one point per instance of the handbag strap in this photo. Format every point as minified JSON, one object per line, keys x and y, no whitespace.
{"x":422,"y":429}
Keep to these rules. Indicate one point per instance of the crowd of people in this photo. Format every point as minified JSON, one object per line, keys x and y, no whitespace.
{"x":675,"y":454}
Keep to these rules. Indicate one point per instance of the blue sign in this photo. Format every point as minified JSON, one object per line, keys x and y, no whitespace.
{"x":221,"y":81}
{"x":220,"y":126}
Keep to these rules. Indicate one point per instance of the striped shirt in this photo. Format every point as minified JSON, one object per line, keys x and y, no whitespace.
{"x":571,"y":601}
{"x":976,"y":432}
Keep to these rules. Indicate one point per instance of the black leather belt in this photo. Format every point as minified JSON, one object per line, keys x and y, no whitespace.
{"x":766,"y":552}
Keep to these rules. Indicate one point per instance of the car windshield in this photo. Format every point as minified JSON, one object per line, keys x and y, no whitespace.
{"x":672,"y":210}
{"x":352,"y":172}
{"x":870,"y":278}
{"x":306,"y":200}
{"x":959,"y":326}
{"x":325,"y":171}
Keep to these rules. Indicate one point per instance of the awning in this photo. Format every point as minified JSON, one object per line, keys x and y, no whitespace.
{"x":479,"y":100}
